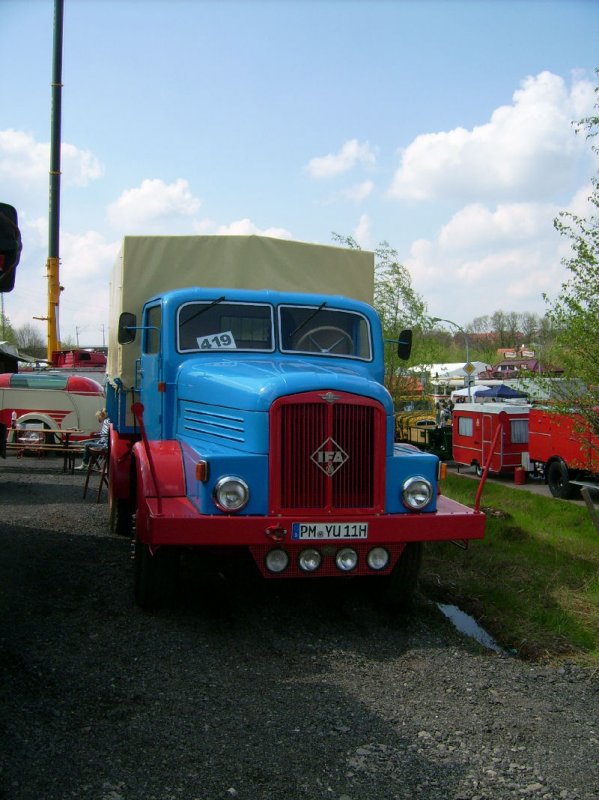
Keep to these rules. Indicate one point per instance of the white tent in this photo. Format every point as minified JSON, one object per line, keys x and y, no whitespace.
{"x":460,"y":393}
{"x":439,"y":372}
{"x":449,"y":371}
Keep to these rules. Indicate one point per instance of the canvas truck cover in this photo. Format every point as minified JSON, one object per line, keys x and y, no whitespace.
{"x":150,"y":265}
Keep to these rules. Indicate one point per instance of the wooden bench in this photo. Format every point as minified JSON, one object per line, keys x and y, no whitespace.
{"x":68,"y":452}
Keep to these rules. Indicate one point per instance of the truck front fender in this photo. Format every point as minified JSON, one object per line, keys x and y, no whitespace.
{"x":167,"y":461}
{"x":119,"y":474}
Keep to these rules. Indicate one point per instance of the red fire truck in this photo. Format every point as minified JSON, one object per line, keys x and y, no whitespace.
{"x":80,"y":359}
{"x":565,"y":449}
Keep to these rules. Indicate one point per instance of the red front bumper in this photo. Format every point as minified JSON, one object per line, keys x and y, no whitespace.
{"x":175,"y":521}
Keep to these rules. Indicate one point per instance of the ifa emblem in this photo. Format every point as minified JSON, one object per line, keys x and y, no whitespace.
{"x":329,"y":457}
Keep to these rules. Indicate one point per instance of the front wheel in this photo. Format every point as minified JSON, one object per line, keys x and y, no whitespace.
{"x":120,"y":517}
{"x":397,"y":589}
{"x":155,"y":576}
{"x":558,"y":480}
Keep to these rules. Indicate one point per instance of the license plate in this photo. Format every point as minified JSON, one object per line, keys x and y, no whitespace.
{"x":329,"y":530}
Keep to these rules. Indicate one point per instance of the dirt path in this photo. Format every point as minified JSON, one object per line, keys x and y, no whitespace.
{"x":270,"y":693}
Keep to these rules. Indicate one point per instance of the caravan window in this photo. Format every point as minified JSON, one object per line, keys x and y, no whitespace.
{"x":519,"y":431}
{"x":465,"y":426}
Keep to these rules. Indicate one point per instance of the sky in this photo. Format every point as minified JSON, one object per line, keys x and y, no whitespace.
{"x":444,"y":128}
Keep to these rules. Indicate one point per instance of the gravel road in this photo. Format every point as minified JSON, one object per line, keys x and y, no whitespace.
{"x":273,"y":692}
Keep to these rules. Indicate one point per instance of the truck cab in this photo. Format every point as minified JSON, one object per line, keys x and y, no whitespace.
{"x":258,"y":422}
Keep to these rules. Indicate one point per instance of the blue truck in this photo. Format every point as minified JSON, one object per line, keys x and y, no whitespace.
{"x":245,"y":386}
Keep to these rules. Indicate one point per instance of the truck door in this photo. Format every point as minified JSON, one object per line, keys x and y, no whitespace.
{"x":151,"y":371}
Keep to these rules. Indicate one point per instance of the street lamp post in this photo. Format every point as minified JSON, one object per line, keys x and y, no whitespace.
{"x":466,"y":342}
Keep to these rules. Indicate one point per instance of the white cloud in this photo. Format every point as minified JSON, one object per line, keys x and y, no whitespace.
{"x":79,"y":167}
{"x":477,"y":227}
{"x":362,"y":232}
{"x":25,"y":163}
{"x":151,"y":202}
{"x":240,"y":227}
{"x":360,"y":191}
{"x":527,"y":151}
{"x":85,"y":264}
{"x":483,"y":260}
{"x":333,"y":164}
{"x":86,"y":256}
{"x":580,"y":204}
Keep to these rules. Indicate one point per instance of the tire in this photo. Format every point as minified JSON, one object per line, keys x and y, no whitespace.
{"x":48,"y":438}
{"x":558,"y":480}
{"x":120,"y":520}
{"x":155,"y":576}
{"x":396,"y":591}
{"x":479,"y":470}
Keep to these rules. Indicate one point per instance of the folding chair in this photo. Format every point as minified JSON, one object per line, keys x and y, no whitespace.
{"x":98,"y":462}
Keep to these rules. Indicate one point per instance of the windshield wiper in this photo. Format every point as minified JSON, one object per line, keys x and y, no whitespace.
{"x":203,"y":310}
{"x":307,"y":320}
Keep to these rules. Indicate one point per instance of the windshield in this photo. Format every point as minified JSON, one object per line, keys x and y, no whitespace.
{"x":325,"y":331}
{"x":218,"y":325}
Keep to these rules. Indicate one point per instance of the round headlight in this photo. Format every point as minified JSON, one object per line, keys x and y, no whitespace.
{"x":416,"y":492}
{"x":377,"y":558}
{"x":309,"y":560}
{"x":276,"y":560}
{"x":346,"y":559}
{"x":231,"y":494}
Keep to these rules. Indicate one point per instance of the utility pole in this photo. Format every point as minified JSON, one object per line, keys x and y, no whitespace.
{"x":459,"y":327}
{"x":53,"y":263}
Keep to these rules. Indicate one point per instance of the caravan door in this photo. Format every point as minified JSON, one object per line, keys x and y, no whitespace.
{"x":487,"y":439}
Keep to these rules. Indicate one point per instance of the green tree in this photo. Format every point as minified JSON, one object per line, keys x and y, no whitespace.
{"x":30,"y":341}
{"x":499,"y":324}
{"x":7,"y":333}
{"x":399,"y":306}
{"x":575,"y":311}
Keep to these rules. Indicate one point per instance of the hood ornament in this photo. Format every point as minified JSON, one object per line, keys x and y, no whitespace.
{"x":330,"y":397}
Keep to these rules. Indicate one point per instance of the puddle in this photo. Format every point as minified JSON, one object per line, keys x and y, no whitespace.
{"x":466,"y":624}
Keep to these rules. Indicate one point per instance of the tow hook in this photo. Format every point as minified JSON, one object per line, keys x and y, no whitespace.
{"x":276,"y":533}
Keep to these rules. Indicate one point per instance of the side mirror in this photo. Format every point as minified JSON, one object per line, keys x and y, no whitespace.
{"x":404,"y":345}
{"x":127,"y":327}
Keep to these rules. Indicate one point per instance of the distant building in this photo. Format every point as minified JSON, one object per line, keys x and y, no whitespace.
{"x":522,"y":351}
{"x":515,"y":367}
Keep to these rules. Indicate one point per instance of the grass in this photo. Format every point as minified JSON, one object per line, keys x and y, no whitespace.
{"x":533,"y":582}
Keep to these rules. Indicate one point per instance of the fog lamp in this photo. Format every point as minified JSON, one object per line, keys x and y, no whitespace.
{"x":346,"y":559}
{"x":377,"y":558}
{"x":276,"y":560}
{"x":416,"y":492}
{"x":231,"y":494}
{"x":309,"y":560}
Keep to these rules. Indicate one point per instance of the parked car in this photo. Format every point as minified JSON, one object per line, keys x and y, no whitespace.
{"x":49,"y":401}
